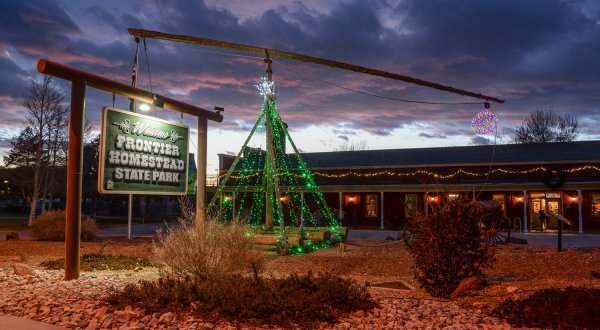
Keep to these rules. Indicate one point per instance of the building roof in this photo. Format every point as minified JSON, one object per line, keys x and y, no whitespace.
{"x":535,"y":153}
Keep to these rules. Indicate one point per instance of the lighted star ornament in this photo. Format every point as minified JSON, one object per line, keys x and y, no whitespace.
{"x":485,"y":122}
{"x":266,"y":87}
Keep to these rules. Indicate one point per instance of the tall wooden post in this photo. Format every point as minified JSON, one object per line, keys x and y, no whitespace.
{"x":74,"y":179}
{"x":201,"y":174}
{"x":268,"y":164}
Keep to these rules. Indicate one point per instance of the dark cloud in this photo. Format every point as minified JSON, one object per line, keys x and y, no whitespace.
{"x":35,"y":23}
{"x":432,"y":135}
{"x":13,"y":83}
{"x":479,"y":140}
{"x":343,"y":138}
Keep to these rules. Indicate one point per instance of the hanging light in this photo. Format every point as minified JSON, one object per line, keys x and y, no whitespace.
{"x":144,"y":106}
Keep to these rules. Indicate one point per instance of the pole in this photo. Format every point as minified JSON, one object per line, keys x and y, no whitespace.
{"x":340,"y":212}
{"x":74,"y":179}
{"x":426,"y":203}
{"x":580,"y":202}
{"x":132,"y":109}
{"x":381,"y":214}
{"x":201,"y":174}
{"x":560,"y":228}
{"x":525,"y":224}
{"x":129,"y":215}
{"x":302,"y":209}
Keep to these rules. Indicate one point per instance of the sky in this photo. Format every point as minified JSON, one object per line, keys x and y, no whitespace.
{"x":535,"y":54}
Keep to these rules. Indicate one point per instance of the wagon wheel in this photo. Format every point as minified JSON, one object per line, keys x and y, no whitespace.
{"x":496,"y":228}
{"x":407,"y":235}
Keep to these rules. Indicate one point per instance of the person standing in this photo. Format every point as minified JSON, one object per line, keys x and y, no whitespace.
{"x":542,"y":220}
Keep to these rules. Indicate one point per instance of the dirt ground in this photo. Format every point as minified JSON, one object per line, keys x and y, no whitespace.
{"x":518,"y":271}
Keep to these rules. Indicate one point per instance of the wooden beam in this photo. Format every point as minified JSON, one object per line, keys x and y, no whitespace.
{"x":305,"y":58}
{"x":68,"y":73}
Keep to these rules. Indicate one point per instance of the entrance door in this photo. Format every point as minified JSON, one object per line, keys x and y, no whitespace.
{"x":549,"y":202}
{"x":552,"y":205}
{"x":537,"y":204}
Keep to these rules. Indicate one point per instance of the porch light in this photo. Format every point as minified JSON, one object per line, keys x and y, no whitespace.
{"x":144,"y":107}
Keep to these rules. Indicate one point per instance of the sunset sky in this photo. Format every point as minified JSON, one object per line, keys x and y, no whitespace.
{"x":542,"y":54}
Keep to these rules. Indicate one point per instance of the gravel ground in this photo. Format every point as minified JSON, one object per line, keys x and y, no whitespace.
{"x":519,"y":270}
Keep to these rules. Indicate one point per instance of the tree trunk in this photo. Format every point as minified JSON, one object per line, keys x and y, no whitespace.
{"x":44,"y":194}
{"x":35,"y":194}
{"x":33,"y":205}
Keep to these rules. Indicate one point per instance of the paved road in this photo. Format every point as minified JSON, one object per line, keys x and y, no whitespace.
{"x":550,"y":238}
{"x":570,"y":239}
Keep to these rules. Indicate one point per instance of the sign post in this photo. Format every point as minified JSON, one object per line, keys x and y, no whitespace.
{"x":79,"y":80}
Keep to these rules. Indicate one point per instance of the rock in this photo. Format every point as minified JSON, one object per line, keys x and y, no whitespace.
{"x":107,"y":323}
{"x":166,"y":318}
{"x":93,"y":325}
{"x":153,"y":321}
{"x":101,"y":312}
{"x":467,"y":285}
{"x":44,"y":310}
{"x":23,"y":270}
{"x":121,"y":316}
{"x":511,"y":289}
{"x":12,"y":236}
{"x":479,"y":304}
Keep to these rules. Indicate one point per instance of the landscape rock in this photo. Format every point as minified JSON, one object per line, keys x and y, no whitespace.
{"x":166,"y":318}
{"x":511,"y":289}
{"x":12,"y":236}
{"x":467,"y":285}
{"x":23,"y":270}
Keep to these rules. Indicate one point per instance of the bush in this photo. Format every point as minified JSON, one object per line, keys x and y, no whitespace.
{"x":299,"y":299}
{"x":448,"y":245}
{"x":50,"y":226}
{"x":570,"y":308}
{"x":211,"y":249}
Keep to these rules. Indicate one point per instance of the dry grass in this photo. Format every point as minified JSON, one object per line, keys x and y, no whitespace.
{"x":211,"y":249}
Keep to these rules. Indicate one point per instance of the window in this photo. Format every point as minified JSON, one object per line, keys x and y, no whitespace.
{"x":596,"y":205}
{"x":371,"y":206}
{"x":410,"y":206}
{"x":499,"y":198}
{"x":452,"y":196}
{"x":553,"y":195}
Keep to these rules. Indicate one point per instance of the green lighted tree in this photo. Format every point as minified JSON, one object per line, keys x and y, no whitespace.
{"x":264,"y":185}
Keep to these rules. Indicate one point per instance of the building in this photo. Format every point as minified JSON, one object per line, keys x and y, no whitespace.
{"x":385,"y":188}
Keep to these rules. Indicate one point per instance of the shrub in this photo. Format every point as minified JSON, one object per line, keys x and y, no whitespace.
{"x":300,"y":299}
{"x":448,"y":246}
{"x":50,"y":226}
{"x":570,"y":308}
{"x":210,"y":249}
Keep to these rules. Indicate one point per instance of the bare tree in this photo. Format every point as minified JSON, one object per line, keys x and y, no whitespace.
{"x":22,"y":156}
{"x":543,"y":126}
{"x":45,"y":122}
{"x":354,"y":146}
